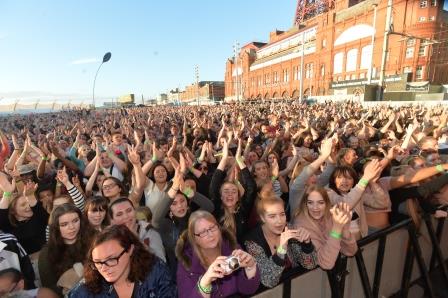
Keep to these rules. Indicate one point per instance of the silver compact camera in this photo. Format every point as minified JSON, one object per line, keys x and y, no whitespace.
{"x":232,"y":264}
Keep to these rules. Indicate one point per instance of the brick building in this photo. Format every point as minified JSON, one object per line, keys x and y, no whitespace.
{"x":342,"y":45}
{"x":208,"y":91}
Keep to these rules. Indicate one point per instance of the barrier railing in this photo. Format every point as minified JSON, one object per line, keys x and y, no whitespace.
{"x":337,"y":276}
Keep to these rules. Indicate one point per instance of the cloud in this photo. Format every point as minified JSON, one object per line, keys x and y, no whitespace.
{"x":3,"y":36}
{"x":85,"y":61}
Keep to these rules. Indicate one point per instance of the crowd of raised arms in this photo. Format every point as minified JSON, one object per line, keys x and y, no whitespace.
{"x":206,"y":201}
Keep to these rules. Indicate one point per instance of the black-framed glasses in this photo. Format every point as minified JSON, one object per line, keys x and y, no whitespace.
{"x":111,"y":262}
{"x":207,"y":231}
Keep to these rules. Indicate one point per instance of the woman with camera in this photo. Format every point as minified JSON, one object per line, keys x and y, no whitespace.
{"x":275,"y":247}
{"x":211,"y":263}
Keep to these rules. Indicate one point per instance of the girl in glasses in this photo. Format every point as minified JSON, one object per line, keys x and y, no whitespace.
{"x":203,"y":252}
{"x":121,"y":266}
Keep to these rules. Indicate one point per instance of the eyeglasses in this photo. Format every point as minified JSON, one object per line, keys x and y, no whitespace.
{"x":109,"y":186}
{"x":204,"y":233}
{"x":111,"y":262}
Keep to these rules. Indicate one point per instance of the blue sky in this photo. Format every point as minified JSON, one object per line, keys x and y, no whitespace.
{"x":53,"y":48}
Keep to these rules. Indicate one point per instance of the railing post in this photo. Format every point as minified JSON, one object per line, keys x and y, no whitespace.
{"x":363,"y":274}
{"x":407,"y":271}
{"x":436,"y":251}
{"x":336,"y":277}
{"x":379,"y":266}
{"x":420,"y":261}
{"x":440,"y":225}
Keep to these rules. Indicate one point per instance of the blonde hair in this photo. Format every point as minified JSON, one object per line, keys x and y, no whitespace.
{"x":228,"y":219}
{"x":303,"y":207}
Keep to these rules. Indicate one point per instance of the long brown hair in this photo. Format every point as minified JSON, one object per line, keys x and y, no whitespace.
{"x":188,"y":237}
{"x":303,"y":207}
{"x":98,"y":203}
{"x":141,"y":260}
{"x":59,"y":254}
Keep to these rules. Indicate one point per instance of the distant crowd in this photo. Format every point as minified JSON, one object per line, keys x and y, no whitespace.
{"x":207,"y":201}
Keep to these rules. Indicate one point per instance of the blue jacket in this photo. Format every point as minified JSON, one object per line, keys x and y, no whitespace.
{"x":158,"y":283}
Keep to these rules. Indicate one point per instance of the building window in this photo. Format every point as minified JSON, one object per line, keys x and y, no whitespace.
{"x":423,"y":3}
{"x":285,"y":75}
{"x":422,"y":19}
{"x":338,"y":62}
{"x":410,"y":42}
{"x":419,"y":72}
{"x":410,"y":52}
{"x":366,"y":57}
{"x":433,"y":2}
{"x":322,"y":70}
{"x":422,"y":50}
{"x":362,"y":75}
{"x":352,"y":57}
{"x":275,"y":77}
{"x":407,"y":69}
{"x":432,"y":18}
{"x":324,"y":43}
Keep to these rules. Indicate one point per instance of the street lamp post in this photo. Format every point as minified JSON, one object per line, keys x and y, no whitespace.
{"x":106,"y":58}
{"x":196,"y":70}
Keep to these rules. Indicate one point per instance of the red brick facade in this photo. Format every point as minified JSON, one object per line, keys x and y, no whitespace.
{"x":337,"y":44}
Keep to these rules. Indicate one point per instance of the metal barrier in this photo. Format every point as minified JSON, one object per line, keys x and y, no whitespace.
{"x":336,"y":285}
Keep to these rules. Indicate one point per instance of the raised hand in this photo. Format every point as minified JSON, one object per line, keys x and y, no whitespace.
{"x":133,"y":155}
{"x":62,"y":176}
{"x":342,"y":215}
{"x":5,"y":185}
{"x":326,"y":147}
{"x":372,"y":170}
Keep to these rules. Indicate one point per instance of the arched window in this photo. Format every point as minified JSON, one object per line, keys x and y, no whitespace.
{"x":338,"y":62}
{"x":352,"y":57}
{"x":366,"y":57}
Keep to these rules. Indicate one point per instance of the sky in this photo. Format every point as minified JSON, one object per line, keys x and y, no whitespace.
{"x":52,"y":49}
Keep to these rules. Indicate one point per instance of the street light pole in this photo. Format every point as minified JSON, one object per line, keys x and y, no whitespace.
{"x":301,"y":68}
{"x":196,"y":70}
{"x":106,"y":58}
{"x":236,"y":54}
{"x":372,"y":44}
{"x":387,"y":31}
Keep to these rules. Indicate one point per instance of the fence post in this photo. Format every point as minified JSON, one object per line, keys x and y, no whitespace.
{"x":440,"y":225}
{"x":336,"y":277}
{"x":436,"y":251}
{"x":379,"y":265}
{"x":363,"y":274}
{"x":420,"y":261}
{"x":407,"y":271}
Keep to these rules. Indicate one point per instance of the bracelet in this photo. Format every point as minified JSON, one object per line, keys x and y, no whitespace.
{"x":363,"y":182}
{"x":45,"y":158}
{"x":7,"y":194}
{"x":154,"y":159}
{"x":281,"y":250}
{"x":335,"y":235}
{"x":273,"y":178}
{"x":440,"y":168}
{"x":109,"y":154}
{"x":206,"y":290}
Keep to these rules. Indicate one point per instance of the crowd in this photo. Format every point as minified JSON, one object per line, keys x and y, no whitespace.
{"x":213,"y":201}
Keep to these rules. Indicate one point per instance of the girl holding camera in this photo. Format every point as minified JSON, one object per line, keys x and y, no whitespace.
{"x":205,"y":268}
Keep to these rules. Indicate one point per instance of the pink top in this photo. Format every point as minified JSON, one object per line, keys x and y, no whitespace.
{"x":376,"y":196}
{"x":327,"y":247}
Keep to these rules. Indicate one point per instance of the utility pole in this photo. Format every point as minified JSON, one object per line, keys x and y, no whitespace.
{"x":372,"y":44}
{"x":196,"y":71}
{"x":387,"y":31}
{"x":236,"y":59}
{"x":301,"y":68}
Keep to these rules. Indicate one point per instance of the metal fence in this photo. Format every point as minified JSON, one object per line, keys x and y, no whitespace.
{"x":382,"y":267}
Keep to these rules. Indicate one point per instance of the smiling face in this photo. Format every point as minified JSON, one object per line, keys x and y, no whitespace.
{"x":160,"y":174}
{"x":112,"y":249}
{"x":69,"y":225}
{"x":344,"y":183}
{"x":229,"y":195}
{"x":96,"y":216}
{"x":315,"y":204}
{"x":123,"y":213}
{"x":274,"y":218}
{"x":110,"y":188}
{"x":261,"y":170}
{"x":22,"y":209}
{"x":179,"y":207}
{"x":350,"y":157}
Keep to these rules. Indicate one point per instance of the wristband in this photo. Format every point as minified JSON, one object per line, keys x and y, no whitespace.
{"x":109,"y":154}
{"x":188,"y":192}
{"x":154,"y":159}
{"x":281,"y":250}
{"x":440,"y":168}
{"x":335,"y":235}
{"x":45,"y":158}
{"x":273,"y":178}
{"x":204,"y":290}
{"x":363,"y":182}
{"x":7,"y":194}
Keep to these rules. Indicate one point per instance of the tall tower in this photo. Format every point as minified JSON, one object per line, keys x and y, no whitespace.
{"x":307,"y":9}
